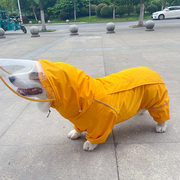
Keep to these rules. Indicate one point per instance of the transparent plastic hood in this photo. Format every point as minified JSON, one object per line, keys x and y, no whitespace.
{"x":25,"y":78}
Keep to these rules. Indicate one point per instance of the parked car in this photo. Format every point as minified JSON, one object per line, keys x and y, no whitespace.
{"x":169,"y":12}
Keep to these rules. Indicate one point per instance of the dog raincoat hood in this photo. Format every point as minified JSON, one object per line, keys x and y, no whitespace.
{"x":96,"y":105}
{"x":73,"y":89}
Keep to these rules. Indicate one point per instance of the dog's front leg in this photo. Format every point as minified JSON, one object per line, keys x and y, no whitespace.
{"x":161,"y":127}
{"x":74,"y":134}
{"x":88,"y":146}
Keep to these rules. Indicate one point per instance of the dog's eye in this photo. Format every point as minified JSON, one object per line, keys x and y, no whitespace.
{"x":34,"y":76}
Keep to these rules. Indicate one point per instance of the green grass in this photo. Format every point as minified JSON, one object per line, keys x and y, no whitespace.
{"x":48,"y":30}
{"x":117,"y":19}
{"x":33,"y":21}
{"x":94,"y":19}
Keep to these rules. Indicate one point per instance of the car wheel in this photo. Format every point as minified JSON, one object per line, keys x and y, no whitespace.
{"x":5,"y":29}
{"x":23,"y":29}
{"x":161,"y":17}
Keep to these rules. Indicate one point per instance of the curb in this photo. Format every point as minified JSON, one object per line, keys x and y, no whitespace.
{"x":55,"y":24}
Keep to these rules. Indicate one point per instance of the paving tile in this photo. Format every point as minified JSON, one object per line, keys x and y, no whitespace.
{"x":87,"y":52}
{"x":11,"y":107}
{"x":150,"y":161}
{"x":87,"y":65}
{"x":23,"y":47}
{"x":60,"y":56}
{"x":52,"y":162}
{"x":118,"y":63}
{"x":33,"y":127}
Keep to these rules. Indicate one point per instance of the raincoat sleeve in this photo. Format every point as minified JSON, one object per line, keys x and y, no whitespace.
{"x":98,"y":121}
{"x":78,"y":129}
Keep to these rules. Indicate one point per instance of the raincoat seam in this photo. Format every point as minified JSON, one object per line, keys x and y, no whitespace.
{"x":134,"y":87}
{"x":159,"y":106}
{"x":132,"y":80}
{"x":106,"y":105}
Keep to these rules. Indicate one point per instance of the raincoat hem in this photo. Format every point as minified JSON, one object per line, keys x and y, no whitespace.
{"x":159,"y":106}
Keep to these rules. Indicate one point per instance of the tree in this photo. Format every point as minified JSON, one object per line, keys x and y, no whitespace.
{"x":106,"y":11}
{"x":114,"y":11}
{"x":152,"y":8}
{"x":42,"y":15}
{"x":25,"y":6}
{"x":163,"y":3}
{"x":130,"y":9}
{"x":141,"y":15}
{"x":89,"y":10}
{"x":121,"y":10}
{"x":48,"y":3}
{"x":75,"y":10}
{"x":8,"y":4}
{"x":32,"y":5}
{"x":98,"y":9}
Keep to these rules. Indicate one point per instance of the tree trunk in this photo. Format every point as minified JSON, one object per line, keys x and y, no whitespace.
{"x":163,"y":3}
{"x":75,"y":10}
{"x":114,"y":13}
{"x":141,"y":16}
{"x":32,"y":4}
{"x":89,"y":10}
{"x":42,"y":15}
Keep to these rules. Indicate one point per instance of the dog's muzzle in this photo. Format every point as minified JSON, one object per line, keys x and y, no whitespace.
{"x":26,"y":91}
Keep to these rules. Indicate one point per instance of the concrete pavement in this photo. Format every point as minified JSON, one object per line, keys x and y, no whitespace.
{"x":33,"y":147}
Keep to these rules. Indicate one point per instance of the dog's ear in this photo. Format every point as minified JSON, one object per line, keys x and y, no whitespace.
{"x":33,"y":75}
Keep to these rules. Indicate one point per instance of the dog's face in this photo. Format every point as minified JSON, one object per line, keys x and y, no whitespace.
{"x":28,"y":84}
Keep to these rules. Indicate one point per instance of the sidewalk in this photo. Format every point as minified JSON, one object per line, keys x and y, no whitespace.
{"x":33,"y":147}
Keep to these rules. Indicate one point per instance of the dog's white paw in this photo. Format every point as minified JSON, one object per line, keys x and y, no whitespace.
{"x":74,"y":134}
{"x":161,"y":127}
{"x":88,"y":146}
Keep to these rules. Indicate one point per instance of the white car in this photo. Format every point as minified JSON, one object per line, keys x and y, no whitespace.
{"x":169,"y":12}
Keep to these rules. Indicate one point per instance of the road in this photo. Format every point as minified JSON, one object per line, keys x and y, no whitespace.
{"x":99,"y":25}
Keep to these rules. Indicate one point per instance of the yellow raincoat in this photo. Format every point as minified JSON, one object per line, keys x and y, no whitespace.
{"x":96,"y":105}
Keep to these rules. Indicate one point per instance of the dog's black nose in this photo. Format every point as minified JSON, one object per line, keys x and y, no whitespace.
{"x":12,"y":78}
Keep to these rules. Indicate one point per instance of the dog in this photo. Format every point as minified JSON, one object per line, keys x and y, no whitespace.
{"x":96,"y":105}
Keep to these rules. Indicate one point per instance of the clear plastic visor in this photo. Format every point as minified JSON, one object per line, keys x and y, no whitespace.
{"x":25,"y":78}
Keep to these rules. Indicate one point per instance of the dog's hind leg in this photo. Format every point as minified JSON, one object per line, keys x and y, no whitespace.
{"x":161,"y":127}
{"x":74,"y":134}
{"x":160,"y":115}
